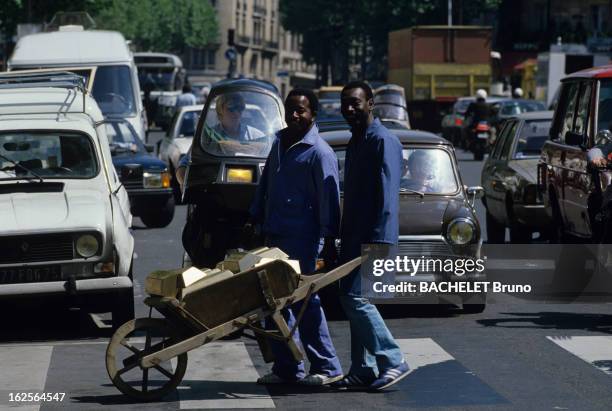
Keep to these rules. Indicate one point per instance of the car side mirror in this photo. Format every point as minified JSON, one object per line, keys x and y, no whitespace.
{"x":574,"y":139}
{"x":474,"y":193}
{"x":150,"y":148}
{"x":603,"y":137}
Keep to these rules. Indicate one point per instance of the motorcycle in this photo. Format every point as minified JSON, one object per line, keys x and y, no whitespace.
{"x":225,"y":168}
{"x":481,"y":134}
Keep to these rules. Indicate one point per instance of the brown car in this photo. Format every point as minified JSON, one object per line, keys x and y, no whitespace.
{"x":571,"y":190}
{"x":437,"y":217}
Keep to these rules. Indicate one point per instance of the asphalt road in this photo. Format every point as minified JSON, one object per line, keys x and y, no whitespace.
{"x":517,"y":355}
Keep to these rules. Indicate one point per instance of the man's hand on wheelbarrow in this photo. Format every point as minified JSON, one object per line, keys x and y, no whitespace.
{"x":329,"y":254}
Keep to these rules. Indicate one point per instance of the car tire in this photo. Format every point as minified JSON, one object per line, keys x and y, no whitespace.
{"x":520,"y":234}
{"x":161,"y":217}
{"x":475,"y":303}
{"x":496,"y":232}
{"x":479,"y":154}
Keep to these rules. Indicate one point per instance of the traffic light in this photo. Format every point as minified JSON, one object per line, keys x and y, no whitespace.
{"x":230,"y":37}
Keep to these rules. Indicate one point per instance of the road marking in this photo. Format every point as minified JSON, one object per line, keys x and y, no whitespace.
{"x":24,"y":369}
{"x":596,"y":350}
{"x":438,"y":380}
{"x":222,"y":375}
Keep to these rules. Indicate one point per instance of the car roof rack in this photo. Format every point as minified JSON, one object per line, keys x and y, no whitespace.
{"x":59,"y":78}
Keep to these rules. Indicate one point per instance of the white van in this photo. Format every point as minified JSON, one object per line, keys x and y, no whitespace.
{"x":103,"y":57}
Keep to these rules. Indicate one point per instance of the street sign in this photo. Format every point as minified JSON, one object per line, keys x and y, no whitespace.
{"x":231,"y":54}
{"x":282,"y":73}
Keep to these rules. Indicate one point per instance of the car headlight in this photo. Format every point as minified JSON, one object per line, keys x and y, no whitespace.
{"x":240,"y":175}
{"x":461,"y":231}
{"x":87,"y":245}
{"x":156,"y":180}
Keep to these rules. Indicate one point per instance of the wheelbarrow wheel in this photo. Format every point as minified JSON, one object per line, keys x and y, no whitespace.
{"x":125,"y":350}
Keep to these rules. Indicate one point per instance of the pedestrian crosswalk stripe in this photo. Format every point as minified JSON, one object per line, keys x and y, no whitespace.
{"x":23,"y":369}
{"x":222,"y":375}
{"x":596,"y":350}
{"x":439,"y":380}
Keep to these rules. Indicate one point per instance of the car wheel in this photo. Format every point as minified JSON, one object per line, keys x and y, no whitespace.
{"x":161,"y":217}
{"x":496,"y":232}
{"x":474,"y":304}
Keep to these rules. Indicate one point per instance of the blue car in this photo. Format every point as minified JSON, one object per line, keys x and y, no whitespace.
{"x":145,"y":177}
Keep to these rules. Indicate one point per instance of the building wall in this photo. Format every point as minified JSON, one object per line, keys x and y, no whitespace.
{"x":264,"y":48}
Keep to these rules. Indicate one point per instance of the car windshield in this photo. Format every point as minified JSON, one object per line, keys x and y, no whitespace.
{"x":49,"y":155}
{"x":390,"y":112}
{"x":604,"y":114}
{"x":533,"y":136}
{"x":241,"y":124}
{"x":329,"y":110}
{"x":157,"y":78}
{"x":518,"y":107}
{"x":112,"y":90}
{"x":188,"y":123}
{"x":122,"y":138}
{"x":426,"y":170}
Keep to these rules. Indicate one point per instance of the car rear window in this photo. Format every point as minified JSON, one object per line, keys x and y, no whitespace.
{"x":532,"y":138}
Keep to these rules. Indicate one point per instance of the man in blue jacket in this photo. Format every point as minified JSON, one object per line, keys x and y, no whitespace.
{"x":372,"y":174}
{"x":298,"y":204}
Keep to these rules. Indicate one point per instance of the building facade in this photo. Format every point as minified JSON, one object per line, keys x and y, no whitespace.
{"x":264,"y":50}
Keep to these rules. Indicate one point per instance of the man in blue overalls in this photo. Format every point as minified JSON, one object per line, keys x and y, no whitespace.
{"x":297,"y":202}
{"x":372,"y":173}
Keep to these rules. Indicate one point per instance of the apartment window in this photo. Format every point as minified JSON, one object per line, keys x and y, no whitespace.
{"x":203,"y":59}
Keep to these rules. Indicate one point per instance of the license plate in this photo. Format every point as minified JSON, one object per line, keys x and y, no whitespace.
{"x":482,"y":135}
{"x":18,"y":275}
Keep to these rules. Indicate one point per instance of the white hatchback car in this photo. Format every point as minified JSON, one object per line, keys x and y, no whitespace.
{"x":177,"y":142}
{"x":65,"y":216}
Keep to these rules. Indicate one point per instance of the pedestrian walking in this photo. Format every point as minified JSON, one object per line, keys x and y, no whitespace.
{"x":298,"y":204}
{"x":372,"y":173}
{"x":187,"y":98}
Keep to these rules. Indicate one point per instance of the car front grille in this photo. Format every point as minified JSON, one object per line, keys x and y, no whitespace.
{"x":33,"y":249}
{"x":425,"y":248}
{"x":132,"y":184}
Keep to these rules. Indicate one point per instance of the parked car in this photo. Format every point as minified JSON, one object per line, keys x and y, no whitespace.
{"x":177,"y":142}
{"x":145,"y":177}
{"x":582,"y":119}
{"x":103,"y":57}
{"x":509,"y":178}
{"x":65,"y":214}
{"x":390,"y":104}
{"x":432,"y":212}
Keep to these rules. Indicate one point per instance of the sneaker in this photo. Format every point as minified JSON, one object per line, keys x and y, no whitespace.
{"x":391,"y":376}
{"x":272,"y":378}
{"x":319,"y":379}
{"x":352,"y":382}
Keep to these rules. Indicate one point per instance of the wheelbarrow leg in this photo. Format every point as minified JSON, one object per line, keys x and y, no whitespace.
{"x":280,"y":322}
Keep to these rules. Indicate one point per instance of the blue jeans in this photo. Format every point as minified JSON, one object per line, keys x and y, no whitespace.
{"x":373,"y":349}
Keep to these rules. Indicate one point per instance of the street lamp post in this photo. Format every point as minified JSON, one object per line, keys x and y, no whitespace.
{"x":450,"y":12}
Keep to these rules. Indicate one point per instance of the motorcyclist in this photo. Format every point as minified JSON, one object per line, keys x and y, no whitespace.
{"x":478,"y":110}
{"x":517,"y":93}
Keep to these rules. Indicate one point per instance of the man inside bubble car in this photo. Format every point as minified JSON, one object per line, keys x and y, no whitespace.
{"x":229,"y":108}
{"x":419,"y":173}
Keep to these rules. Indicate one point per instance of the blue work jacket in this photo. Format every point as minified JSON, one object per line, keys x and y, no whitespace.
{"x":372,"y":174}
{"x":298,"y":194}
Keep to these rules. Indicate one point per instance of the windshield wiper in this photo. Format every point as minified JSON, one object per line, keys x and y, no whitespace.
{"x":407,"y":190}
{"x":17,"y":165}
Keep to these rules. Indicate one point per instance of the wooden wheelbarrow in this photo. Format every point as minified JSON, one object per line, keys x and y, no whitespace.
{"x":149,"y":368}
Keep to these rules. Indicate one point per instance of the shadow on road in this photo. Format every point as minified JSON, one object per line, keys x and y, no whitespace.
{"x":554,"y":321}
{"x":38,"y":323}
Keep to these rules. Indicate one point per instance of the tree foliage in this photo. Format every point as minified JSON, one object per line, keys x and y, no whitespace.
{"x":162,"y":25}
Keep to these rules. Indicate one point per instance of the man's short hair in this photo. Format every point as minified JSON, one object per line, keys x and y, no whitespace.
{"x":362,"y":85}
{"x":229,"y":99}
{"x":313,"y":101}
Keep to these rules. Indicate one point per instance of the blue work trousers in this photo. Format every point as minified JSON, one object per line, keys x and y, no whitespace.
{"x":312,"y":331}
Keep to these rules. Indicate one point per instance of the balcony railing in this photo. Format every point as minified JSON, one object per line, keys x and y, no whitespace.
{"x":259,"y":10}
{"x":245,"y":40}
